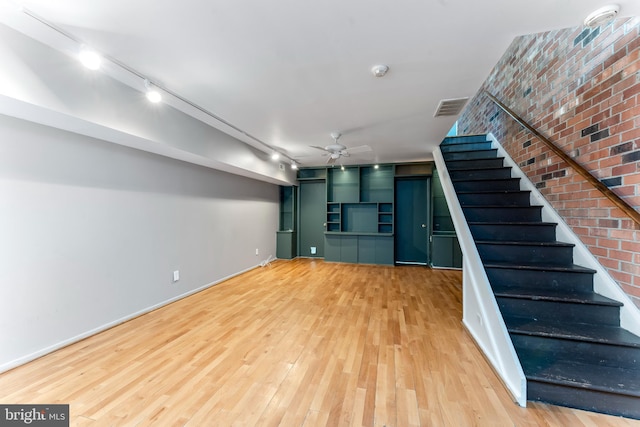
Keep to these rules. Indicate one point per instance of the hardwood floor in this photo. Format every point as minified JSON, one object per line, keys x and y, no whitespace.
{"x":297,"y":343}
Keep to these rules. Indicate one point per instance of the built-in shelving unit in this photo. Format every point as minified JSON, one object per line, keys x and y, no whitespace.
{"x":360,"y":209}
{"x":445,"y":249}
{"x":359,"y":224}
{"x":286,"y":243}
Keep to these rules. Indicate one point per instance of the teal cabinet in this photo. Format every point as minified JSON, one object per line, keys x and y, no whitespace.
{"x":286,"y":244}
{"x":445,"y":251}
{"x":361,"y":249}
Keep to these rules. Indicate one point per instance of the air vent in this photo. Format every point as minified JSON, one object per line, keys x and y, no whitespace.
{"x":450,"y":107}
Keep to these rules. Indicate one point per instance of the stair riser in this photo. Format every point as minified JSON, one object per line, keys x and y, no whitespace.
{"x":460,"y":139}
{"x":479,"y":154}
{"x":521,"y":198}
{"x":503,"y":214}
{"x":590,"y":400}
{"x":552,"y":255}
{"x":514,"y":233}
{"x":512,"y":184}
{"x":560,"y":311}
{"x":475,"y":164}
{"x":569,"y":281}
{"x":470,"y":146}
{"x":551,"y":349}
{"x":474,"y":174}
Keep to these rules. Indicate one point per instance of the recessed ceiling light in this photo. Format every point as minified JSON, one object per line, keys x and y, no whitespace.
{"x":90,"y":58}
{"x":602,"y":16}
{"x":379,"y":70}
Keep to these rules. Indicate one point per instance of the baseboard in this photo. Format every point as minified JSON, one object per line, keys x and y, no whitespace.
{"x":50,"y":349}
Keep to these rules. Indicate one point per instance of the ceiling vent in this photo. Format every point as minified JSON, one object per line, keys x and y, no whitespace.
{"x":450,"y":107}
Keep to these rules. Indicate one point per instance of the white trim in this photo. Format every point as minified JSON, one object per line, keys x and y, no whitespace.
{"x":50,"y":349}
{"x":480,"y":313}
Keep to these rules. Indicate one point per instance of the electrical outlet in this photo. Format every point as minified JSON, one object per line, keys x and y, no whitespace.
{"x":176,"y":275}
{"x":257,"y":252}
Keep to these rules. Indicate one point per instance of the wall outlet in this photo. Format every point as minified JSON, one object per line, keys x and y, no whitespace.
{"x":176,"y":275}
{"x":257,"y":252}
{"x":313,"y":250}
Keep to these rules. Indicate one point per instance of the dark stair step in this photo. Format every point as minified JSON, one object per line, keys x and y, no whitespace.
{"x":559,"y":306}
{"x":571,"y":278}
{"x":551,"y":253}
{"x":502,"y":213}
{"x":601,"y":334}
{"x":466,"y":146}
{"x":613,"y":391}
{"x":486,"y":184}
{"x":471,"y":154}
{"x":481,"y":173}
{"x":558,"y":295}
{"x":495,"y":198}
{"x":496,"y":162}
{"x":615,"y":347}
{"x":514,"y":231}
{"x":463,"y":138}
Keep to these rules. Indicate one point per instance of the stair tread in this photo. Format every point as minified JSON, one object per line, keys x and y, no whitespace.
{"x":558,"y":295}
{"x":465,"y":192}
{"x":532,"y":266}
{"x":573,"y":331}
{"x":482,"y":179}
{"x":525,"y":243}
{"x":502,"y":207}
{"x":586,"y":376}
{"x":519,"y":223}
{"x":481,"y":168}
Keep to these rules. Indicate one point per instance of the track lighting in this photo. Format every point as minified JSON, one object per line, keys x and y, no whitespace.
{"x":294,"y":165}
{"x":152,"y":94}
{"x":90,"y":58}
{"x":275,"y":156}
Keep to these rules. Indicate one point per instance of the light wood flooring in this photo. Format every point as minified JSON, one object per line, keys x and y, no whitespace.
{"x":297,"y":343}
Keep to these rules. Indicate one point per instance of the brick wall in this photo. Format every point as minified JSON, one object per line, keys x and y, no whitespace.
{"x":581,"y":89}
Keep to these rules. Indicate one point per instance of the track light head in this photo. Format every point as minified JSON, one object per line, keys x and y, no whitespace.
{"x":90,"y":58}
{"x":152,"y":94}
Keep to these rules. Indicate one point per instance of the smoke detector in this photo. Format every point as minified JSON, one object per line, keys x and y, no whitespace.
{"x":379,"y":70}
{"x":602,"y":16}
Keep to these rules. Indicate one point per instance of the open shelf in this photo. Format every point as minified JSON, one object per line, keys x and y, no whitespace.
{"x":343,"y":185}
{"x":376,"y":184}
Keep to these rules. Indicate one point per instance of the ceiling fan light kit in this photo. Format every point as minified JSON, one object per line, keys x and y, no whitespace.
{"x":336,"y":150}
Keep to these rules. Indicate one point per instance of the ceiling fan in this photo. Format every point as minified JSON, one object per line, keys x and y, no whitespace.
{"x":337,"y":150}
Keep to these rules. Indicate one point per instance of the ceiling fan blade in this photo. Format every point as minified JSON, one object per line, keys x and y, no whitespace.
{"x":318,"y":148}
{"x":359,"y":149}
{"x":331,"y":160}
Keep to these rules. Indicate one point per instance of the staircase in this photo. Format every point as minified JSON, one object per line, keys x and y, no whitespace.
{"x":568,"y":338}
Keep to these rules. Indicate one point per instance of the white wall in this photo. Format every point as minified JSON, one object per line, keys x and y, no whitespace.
{"x":46,"y":86}
{"x":90,"y":233}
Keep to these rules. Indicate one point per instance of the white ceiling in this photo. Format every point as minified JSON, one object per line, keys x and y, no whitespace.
{"x":290,"y":72}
